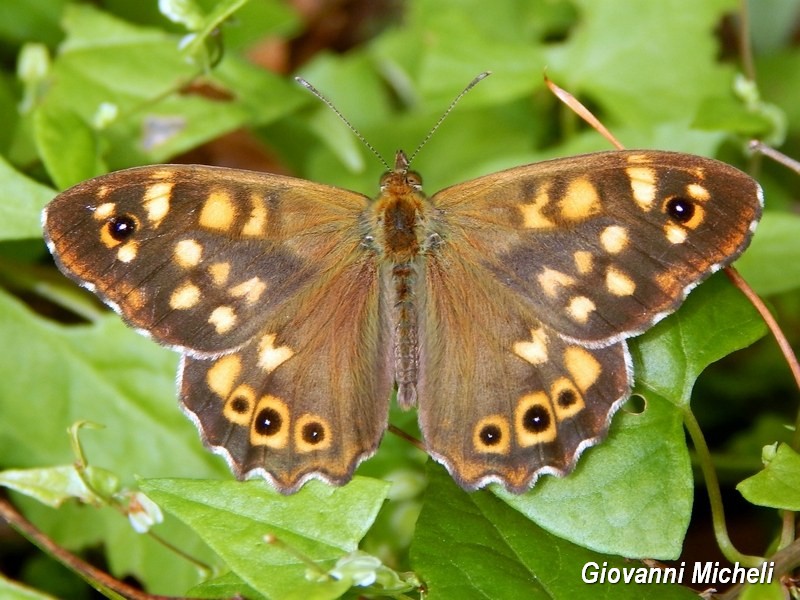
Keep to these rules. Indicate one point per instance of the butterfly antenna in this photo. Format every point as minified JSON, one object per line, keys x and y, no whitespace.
{"x":336,"y":111}
{"x":471,"y":85}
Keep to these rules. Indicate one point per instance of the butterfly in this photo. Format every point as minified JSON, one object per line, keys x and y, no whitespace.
{"x":499,"y":307}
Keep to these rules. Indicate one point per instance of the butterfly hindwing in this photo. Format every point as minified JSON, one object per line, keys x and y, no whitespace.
{"x":309,"y":396}
{"x":502,"y":397}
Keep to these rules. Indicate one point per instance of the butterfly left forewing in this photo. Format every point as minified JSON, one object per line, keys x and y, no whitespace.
{"x":198,"y":256}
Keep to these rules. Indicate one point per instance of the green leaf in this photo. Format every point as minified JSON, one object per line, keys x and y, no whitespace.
{"x":55,"y":485}
{"x":772,"y":263}
{"x":715,"y":321}
{"x":616,"y":68}
{"x":21,"y":205}
{"x":108,"y":374}
{"x":614,"y":501}
{"x":11,"y":590}
{"x":474,"y":546}
{"x":778,"y":484}
{"x":319,"y":522}
{"x":56,"y":129}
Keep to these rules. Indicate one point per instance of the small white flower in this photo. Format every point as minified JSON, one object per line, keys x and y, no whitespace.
{"x":143,"y":513}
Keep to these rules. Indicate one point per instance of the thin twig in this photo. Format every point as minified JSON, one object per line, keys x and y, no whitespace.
{"x":94,"y":576}
{"x":583,"y":112}
{"x":777,"y":333}
{"x":405,"y":436}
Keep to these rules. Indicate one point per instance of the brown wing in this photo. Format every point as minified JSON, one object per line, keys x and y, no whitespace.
{"x":603,"y":245}
{"x":197,"y":256}
{"x":264,"y":283}
{"x":537,"y":277}
{"x":502,"y":397}
{"x":307,"y":397}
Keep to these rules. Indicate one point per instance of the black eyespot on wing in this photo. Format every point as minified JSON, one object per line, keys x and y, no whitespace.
{"x":536,"y":419}
{"x":268,"y":422}
{"x":122,"y":227}
{"x":313,"y":433}
{"x":491,"y":435}
{"x":680,"y":209}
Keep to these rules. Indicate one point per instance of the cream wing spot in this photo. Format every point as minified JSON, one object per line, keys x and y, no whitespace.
{"x":223,"y":318}
{"x":222,"y":375}
{"x":250,"y":290}
{"x":698,"y":192}
{"x":220,"y":272}
{"x":184,"y":297}
{"x":104,"y":211}
{"x":188,"y":253}
{"x":128,"y":251}
{"x":614,"y":239}
{"x":643,"y":186}
{"x":580,"y":308}
{"x":156,"y":201}
{"x":256,"y":224}
{"x":551,"y":280}
{"x":584,"y":368}
{"x":581,"y":200}
{"x":618,"y":283}
{"x":532,"y":217}
{"x":270,"y":357}
{"x":584,"y":261}
{"x":218,"y":211}
{"x":675,"y":233}
{"x":535,"y":351}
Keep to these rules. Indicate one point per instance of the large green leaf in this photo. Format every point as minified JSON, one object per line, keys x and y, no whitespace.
{"x":473,"y":546}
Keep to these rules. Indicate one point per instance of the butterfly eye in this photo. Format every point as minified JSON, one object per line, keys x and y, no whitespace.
{"x":680,"y":209}
{"x":121,"y":227}
{"x":414,"y":179}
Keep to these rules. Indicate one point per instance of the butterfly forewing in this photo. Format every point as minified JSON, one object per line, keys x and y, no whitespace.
{"x":602,"y":245}
{"x":199,"y":256}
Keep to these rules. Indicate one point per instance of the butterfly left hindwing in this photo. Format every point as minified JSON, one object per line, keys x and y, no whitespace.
{"x":500,"y":306}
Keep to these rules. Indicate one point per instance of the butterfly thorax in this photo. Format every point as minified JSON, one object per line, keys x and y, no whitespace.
{"x":399,"y":213}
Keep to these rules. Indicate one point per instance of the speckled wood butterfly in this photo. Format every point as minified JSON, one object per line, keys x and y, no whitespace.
{"x":500,"y":306}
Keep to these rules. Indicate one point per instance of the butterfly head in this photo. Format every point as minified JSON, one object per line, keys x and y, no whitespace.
{"x":400,"y":180}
